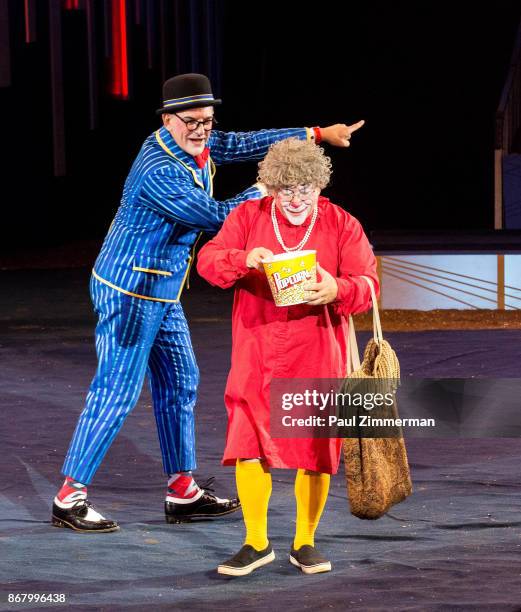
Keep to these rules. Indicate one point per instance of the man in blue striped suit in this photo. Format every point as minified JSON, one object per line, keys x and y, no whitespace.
{"x":136,"y":287}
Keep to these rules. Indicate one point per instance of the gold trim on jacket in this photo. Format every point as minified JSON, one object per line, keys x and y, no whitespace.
{"x":187,"y":167}
{"x":144,"y":297}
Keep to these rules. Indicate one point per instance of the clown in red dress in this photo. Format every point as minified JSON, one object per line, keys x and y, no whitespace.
{"x":301,"y":341}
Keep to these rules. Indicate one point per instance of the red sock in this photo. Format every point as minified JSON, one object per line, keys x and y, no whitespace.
{"x":182,"y":486}
{"x":71,"y":492}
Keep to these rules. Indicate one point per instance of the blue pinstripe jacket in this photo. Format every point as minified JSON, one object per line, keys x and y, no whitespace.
{"x":167,"y":200}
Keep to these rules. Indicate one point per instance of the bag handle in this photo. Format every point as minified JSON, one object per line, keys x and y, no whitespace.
{"x":377,"y":326}
{"x":353,"y":355}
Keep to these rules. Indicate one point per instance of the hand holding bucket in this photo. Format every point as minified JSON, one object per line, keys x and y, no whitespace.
{"x":257,"y":256}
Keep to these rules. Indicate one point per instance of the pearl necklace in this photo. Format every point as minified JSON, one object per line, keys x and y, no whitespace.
{"x":306,"y":235}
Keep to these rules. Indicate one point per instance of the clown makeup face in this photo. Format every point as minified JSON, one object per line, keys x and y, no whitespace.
{"x":190,"y":128}
{"x":296,"y":202}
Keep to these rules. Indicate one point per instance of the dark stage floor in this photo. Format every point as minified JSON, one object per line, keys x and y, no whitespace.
{"x":454,"y":545}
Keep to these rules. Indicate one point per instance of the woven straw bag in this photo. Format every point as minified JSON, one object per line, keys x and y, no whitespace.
{"x":377,"y":470}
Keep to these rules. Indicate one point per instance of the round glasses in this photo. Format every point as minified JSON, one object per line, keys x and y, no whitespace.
{"x":193,"y":124}
{"x":287,"y":194}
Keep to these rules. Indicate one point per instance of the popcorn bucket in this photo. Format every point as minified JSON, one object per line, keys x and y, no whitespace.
{"x":287,"y":274}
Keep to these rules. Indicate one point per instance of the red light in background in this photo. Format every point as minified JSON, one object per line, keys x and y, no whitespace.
{"x":119,"y":60}
{"x":26,"y":15}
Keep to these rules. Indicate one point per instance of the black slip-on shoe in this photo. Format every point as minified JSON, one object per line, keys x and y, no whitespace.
{"x":246,"y":560}
{"x":205,"y":505}
{"x":309,"y":560}
{"x":82,"y":517}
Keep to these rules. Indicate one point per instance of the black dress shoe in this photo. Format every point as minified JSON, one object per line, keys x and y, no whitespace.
{"x":309,"y":560}
{"x":246,"y":560}
{"x":81,"y":517}
{"x":205,"y":505}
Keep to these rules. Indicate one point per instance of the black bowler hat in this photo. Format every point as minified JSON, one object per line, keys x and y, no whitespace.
{"x":186,"y":91}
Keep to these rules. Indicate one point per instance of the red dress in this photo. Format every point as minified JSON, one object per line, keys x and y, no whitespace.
{"x":293,"y":341}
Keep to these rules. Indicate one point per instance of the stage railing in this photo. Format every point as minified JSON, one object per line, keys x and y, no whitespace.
{"x":454,"y":286}
{"x":508,"y":126}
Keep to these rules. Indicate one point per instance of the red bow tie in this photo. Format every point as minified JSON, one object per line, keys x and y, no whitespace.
{"x":201,"y":159}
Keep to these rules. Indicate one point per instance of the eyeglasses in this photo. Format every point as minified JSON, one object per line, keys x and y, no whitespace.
{"x":193,"y":124}
{"x":287,"y":194}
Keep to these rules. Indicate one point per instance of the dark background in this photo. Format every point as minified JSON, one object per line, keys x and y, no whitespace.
{"x":426,"y":77}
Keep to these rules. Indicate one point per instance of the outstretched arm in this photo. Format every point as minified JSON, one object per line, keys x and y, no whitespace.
{"x":227,"y":147}
{"x":243,"y":146}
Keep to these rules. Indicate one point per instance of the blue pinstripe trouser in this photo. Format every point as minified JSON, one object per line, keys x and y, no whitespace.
{"x":133,"y":337}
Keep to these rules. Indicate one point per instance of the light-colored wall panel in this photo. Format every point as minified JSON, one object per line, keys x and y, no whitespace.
{"x":427,"y":282}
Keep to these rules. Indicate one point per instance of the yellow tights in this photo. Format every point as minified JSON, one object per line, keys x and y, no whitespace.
{"x":311,"y":489}
{"x":254,"y":489}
